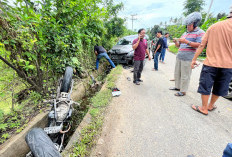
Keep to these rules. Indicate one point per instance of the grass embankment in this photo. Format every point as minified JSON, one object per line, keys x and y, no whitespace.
{"x":174,"y":50}
{"x":98,"y":105}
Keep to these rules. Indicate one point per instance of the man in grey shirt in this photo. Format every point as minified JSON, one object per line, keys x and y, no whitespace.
{"x":188,"y":44}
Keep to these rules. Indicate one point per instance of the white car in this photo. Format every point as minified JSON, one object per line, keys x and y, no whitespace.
{"x":122,"y":52}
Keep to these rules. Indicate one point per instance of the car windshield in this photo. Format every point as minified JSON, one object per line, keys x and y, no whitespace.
{"x":124,"y":42}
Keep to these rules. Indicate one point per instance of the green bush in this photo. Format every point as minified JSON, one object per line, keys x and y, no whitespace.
{"x":39,"y":39}
{"x":173,"y":49}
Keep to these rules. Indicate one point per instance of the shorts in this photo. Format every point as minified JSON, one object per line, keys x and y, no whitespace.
{"x":216,"y":78}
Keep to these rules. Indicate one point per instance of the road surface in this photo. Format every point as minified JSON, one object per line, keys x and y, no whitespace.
{"x":149,"y":121}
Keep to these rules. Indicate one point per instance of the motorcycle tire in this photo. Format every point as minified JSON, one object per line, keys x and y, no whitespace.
{"x":40,"y":144}
{"x":67,"y":79}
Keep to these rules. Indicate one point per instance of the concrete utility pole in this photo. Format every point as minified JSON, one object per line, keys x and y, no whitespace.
{"x":132,"y":19}
{"x":206,"y":18}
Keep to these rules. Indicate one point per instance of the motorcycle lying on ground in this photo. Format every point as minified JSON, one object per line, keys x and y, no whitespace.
{"x":49,"y":142}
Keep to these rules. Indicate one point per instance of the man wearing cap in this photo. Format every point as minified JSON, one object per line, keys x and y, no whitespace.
{"x":188,"y":43}
{"x":216,"y":72}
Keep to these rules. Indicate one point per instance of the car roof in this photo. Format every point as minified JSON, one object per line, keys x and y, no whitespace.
{"x":132,"y":37}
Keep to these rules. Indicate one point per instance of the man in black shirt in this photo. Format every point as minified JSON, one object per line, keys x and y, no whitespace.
{"x":158,"y":49}
{"x":101,"y":52}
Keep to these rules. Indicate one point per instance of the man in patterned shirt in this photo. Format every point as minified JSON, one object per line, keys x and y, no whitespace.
{"x":188,"y":44}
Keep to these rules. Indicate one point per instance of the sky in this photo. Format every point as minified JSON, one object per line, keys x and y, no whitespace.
{"x":152,"y":12}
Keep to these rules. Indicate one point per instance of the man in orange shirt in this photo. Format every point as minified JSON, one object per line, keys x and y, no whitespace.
{"x":217,"y":69}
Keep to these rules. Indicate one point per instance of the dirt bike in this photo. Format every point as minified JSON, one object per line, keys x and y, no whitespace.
{"x":49,"y":142}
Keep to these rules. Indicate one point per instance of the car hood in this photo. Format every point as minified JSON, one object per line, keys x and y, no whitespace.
{"x":121,"y":49}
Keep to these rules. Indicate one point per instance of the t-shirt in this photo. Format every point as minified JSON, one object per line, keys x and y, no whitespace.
{"x":140,"y":51}
{"x":187,"y":52}
{"x":99,"y":49}
{"x":161,"y":43}
{"x":219,"y":44}
{"x":165,"y":43}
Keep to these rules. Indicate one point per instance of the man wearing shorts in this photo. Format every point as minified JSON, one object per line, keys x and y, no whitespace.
{"x":216,"y":73}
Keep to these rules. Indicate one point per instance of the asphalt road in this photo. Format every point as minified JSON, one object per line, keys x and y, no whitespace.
{"x":149,"y":121}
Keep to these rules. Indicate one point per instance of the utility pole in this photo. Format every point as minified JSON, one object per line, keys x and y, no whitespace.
{"x":206,"y":18}
{"x":132,"y":19}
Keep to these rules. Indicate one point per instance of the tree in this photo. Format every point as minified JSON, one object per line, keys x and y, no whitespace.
{"x":153,"y":31}
{"x":165,"y":24}
{"x":170,"y":20}
{"x":204,"y":14}
{"x":221,"y":15}
{"x":38,"y":40}
{"x":192,"y":6}
{"x":175,"y":20}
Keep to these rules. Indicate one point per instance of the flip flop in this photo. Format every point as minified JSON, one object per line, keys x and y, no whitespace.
{"x":179,"y":94}
{"x":174,"y":88}
{"x":198,"y":110}
{"x":213,"y":108}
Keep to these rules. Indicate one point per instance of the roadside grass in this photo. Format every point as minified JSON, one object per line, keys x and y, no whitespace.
{"x":98,"y":105}
{"x":173,"y":49}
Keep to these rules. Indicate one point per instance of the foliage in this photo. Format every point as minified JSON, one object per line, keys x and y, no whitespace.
{"x":16,"y":120}
{"x":210,"y":22}
{"x":176,"y":31}
{"x":192,"y":6}
{"x":221,"y":15}
{"x":40,"y":39}
{"x":152,"y":32}
{"x":129,"y":32}
{"x":173,"y":49}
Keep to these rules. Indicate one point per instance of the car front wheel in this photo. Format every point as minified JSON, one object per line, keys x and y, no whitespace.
{"x":230,"y":91}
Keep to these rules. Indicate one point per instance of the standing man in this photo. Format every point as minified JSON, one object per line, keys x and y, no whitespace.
{"x":158,"y":49}
{"x":140,"y":47}
{"x":153,"y":43}
{"x":188,"y":43}
{"x":216,"y":72}
{"x":164,"y":48}
{"x":101,"y":52}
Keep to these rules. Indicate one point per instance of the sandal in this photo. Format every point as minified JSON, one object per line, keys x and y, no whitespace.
{"x":212,"y":108}
{"x":198,"y":110}
{"x":174,"y":88}
{"x":179,"y":94}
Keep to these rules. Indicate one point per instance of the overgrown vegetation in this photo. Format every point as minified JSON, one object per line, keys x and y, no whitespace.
{"x":98,"y":104}
{"x":16,"y":120}
{"x":38,"y":39}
